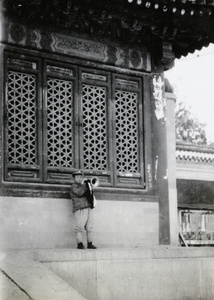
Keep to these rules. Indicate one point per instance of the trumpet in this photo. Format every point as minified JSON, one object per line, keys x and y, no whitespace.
{"x":94,"y":181}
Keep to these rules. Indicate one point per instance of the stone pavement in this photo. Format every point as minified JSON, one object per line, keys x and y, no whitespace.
{"x":23,"y":278}
{"x":9,"y":289}
{"x":160,"y":273}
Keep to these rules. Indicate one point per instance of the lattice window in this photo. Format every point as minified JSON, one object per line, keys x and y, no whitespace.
{"x":126,"y":131}
{"x":60,"y":123}
{"x":94,"y":127}
{"x":21,"y":128}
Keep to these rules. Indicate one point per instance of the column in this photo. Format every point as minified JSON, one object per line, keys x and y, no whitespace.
{"x":171,"y":167}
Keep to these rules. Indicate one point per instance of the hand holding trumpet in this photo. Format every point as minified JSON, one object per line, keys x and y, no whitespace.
{"x":94,"y":181}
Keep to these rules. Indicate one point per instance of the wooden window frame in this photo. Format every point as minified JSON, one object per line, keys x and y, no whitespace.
{"x":23,"y":172}
{"x":113,"y":183}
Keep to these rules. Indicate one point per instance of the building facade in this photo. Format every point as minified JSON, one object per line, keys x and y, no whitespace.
{"x":82,"y":87}
{"x":195,"y":193}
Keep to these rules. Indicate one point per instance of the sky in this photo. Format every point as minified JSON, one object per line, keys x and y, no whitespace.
{"x":193,"y":80}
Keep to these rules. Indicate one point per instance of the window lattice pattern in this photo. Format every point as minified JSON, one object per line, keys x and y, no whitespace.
{"x":60,"y":123}
{"x":21,"y":104}
{"x":126,"y":131}
{"x":94,"y":127}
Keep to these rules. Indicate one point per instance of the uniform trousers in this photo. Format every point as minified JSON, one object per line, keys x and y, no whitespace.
{"x":83,"y":222}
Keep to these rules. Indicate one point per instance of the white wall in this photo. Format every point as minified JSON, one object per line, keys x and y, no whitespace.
{"x":38,"y":223}
{"x":157,"y":274}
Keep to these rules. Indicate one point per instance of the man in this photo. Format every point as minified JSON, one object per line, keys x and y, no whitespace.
{"x":82,"y":209}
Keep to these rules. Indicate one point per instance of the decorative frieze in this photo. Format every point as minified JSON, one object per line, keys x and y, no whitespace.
{"x":185,"y":155}
{"x":17,"y":34}
{"x":85,"y":48}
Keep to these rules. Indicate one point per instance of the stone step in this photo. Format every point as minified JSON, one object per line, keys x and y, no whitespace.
{"x":161,"y":273}
{"x":158,"y":252}
{"x":32,"y":280}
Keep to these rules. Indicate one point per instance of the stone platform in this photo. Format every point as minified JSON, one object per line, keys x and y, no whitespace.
{"x":161,"y":273}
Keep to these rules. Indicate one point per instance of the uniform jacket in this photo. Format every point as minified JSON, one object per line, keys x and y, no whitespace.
{"x":79,"y":195}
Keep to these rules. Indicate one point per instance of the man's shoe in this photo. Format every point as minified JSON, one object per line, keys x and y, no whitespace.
{"x":80,"y":246}
{"x":91,"y":246}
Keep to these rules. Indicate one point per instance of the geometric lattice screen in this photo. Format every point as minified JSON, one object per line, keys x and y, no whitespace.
{"x":60,"y":123}
{"x":90,"y":119}
{"x":21,"y":114}
{"x":126,"y":112}
{"x":94,"y":127}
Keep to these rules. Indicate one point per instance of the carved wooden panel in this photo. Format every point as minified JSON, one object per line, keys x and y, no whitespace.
{"x":95,"y":153}
{"x":95,"y":125}
{"x":126,"y":112}
{"x":128,"y":133}
{"x":21,"y":114}
{"x":22,"y":120}
{"x":59,"y":123}
{"x":59,"y":130}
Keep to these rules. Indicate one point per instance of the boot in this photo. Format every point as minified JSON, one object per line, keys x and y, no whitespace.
{"x":80,"y":246}
{"x":91,"y":246}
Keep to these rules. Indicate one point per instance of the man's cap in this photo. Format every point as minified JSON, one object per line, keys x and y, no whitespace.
{"x":75,"y":173}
